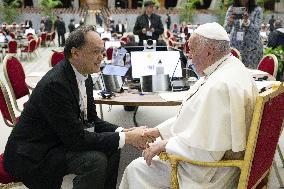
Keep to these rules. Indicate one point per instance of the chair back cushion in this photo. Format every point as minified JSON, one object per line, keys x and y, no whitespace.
{"x":109,"y":53}
{"x":235,"y":53}
{"x":30,"y":37}
{"x":12,"y":35}
{"x":38,"y":41}
{"x":56,"y":57}
{"x":32,"y":45}
{"x":268,"y":136}
{"x":125,"y":39}
{"x":12,"y":46}
{"x":43,"y":36}
{"x":16,"y":75}
{"x":5,"y":178}
{"x":268,"y":64}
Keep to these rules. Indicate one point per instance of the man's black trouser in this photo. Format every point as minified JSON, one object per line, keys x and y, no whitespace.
{"x":93,"y":169}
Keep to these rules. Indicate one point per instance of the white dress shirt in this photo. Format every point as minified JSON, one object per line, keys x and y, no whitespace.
{"x":83,"y":103}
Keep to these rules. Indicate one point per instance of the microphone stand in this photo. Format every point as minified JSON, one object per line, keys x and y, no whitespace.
{"x":172,"y":78}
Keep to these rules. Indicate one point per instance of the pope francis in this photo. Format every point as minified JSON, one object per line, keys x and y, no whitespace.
{"x":212,"y":123}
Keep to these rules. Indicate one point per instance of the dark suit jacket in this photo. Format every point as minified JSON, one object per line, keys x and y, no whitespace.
{"x":142,"y":22}
{"x":117,"y":29}
{"x":50,"y":126}
{"x":59,"y":25}
{"x":275,"y":39}
{"x":71,"y":27}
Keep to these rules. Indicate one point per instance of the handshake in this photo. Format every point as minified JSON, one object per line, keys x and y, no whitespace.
{"x":140,"y":137}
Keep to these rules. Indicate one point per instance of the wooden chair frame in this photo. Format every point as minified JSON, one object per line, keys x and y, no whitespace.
{"x":275,"y":61}
{"x":9,"y":82}
{"x":245,"y":164}
{"x":9,"y":106}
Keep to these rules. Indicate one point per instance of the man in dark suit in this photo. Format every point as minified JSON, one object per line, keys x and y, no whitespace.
{"x":47,"y":24}
{"x":71,"y":26}
{"x":119,"y":28}
{"x":50,"y":139}
{"x":28,"y":24}
{"x":59,"y":26}
{"x":148,"y":25}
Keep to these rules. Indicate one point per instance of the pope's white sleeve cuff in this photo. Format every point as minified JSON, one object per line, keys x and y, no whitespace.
{"x":119,"y":129}
{"x":121,"y":139}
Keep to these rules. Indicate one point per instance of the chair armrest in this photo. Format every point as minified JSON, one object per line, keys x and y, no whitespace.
{"x":223,"y":163}
{"x":174,"y":159}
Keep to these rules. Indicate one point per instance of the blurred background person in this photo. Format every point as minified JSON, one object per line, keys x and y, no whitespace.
{"x":148,"y":25}
{"x":271,"y":23}
{"x":48,"y":24}
{"x":71,"y":25}
{"x":28,"y":24}
{"x":243,"y":25}
{"x":276,"y":37}
{"x":131,"y":41}
{"x":59,"y":26}
{"x":119,"y":28}
{"x":99,"y":19}
{"x":42,"y":28}
{"x":263,"y":33}
{"x":168,"y":21}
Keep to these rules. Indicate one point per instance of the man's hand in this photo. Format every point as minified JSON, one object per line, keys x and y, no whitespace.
{"x":144,"y":30}
{"x":154,"y":149}
{"x":135,"y":138}
{"x":152,"y":30}
{"x":132,"y":128}
{"x":151,"y":134}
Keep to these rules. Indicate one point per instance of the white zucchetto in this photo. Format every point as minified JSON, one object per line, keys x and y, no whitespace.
{"x":212,"y":31}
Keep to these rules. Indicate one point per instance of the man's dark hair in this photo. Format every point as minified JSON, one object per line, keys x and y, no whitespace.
{"x":251,"y":4}
{"x":76,"y":39}
{"x":148,"y":3}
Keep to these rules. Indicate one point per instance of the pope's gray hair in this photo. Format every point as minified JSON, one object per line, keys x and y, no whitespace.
{"x":220,"y":46}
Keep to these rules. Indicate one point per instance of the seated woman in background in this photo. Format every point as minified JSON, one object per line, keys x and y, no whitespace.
{"x":243,"y":22}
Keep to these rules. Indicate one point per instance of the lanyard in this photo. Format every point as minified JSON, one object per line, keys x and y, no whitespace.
{"x":203,"y":82}
{"x":83,"y":97}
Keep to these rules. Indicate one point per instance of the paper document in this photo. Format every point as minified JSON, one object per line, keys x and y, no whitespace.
{"x":256,"y":74}
{"x":265,"y":85}
{"x":173,"y":96}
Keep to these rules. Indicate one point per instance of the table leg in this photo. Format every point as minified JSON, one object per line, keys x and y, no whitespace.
{"x":101,"y":111}
{"x":134,"y":116}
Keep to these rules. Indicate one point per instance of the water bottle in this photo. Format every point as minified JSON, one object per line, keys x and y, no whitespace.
{"x":127,"y":60}
{"x":160,"y":68}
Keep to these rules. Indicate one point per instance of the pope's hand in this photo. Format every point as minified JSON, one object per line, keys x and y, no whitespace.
{"x":154,"y":149}
{"x":144,"y":30}
{"x":135,"y":138}
{"x":151,"y":134}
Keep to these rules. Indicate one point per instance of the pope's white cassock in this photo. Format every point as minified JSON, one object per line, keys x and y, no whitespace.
{"x":214,"y":120}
